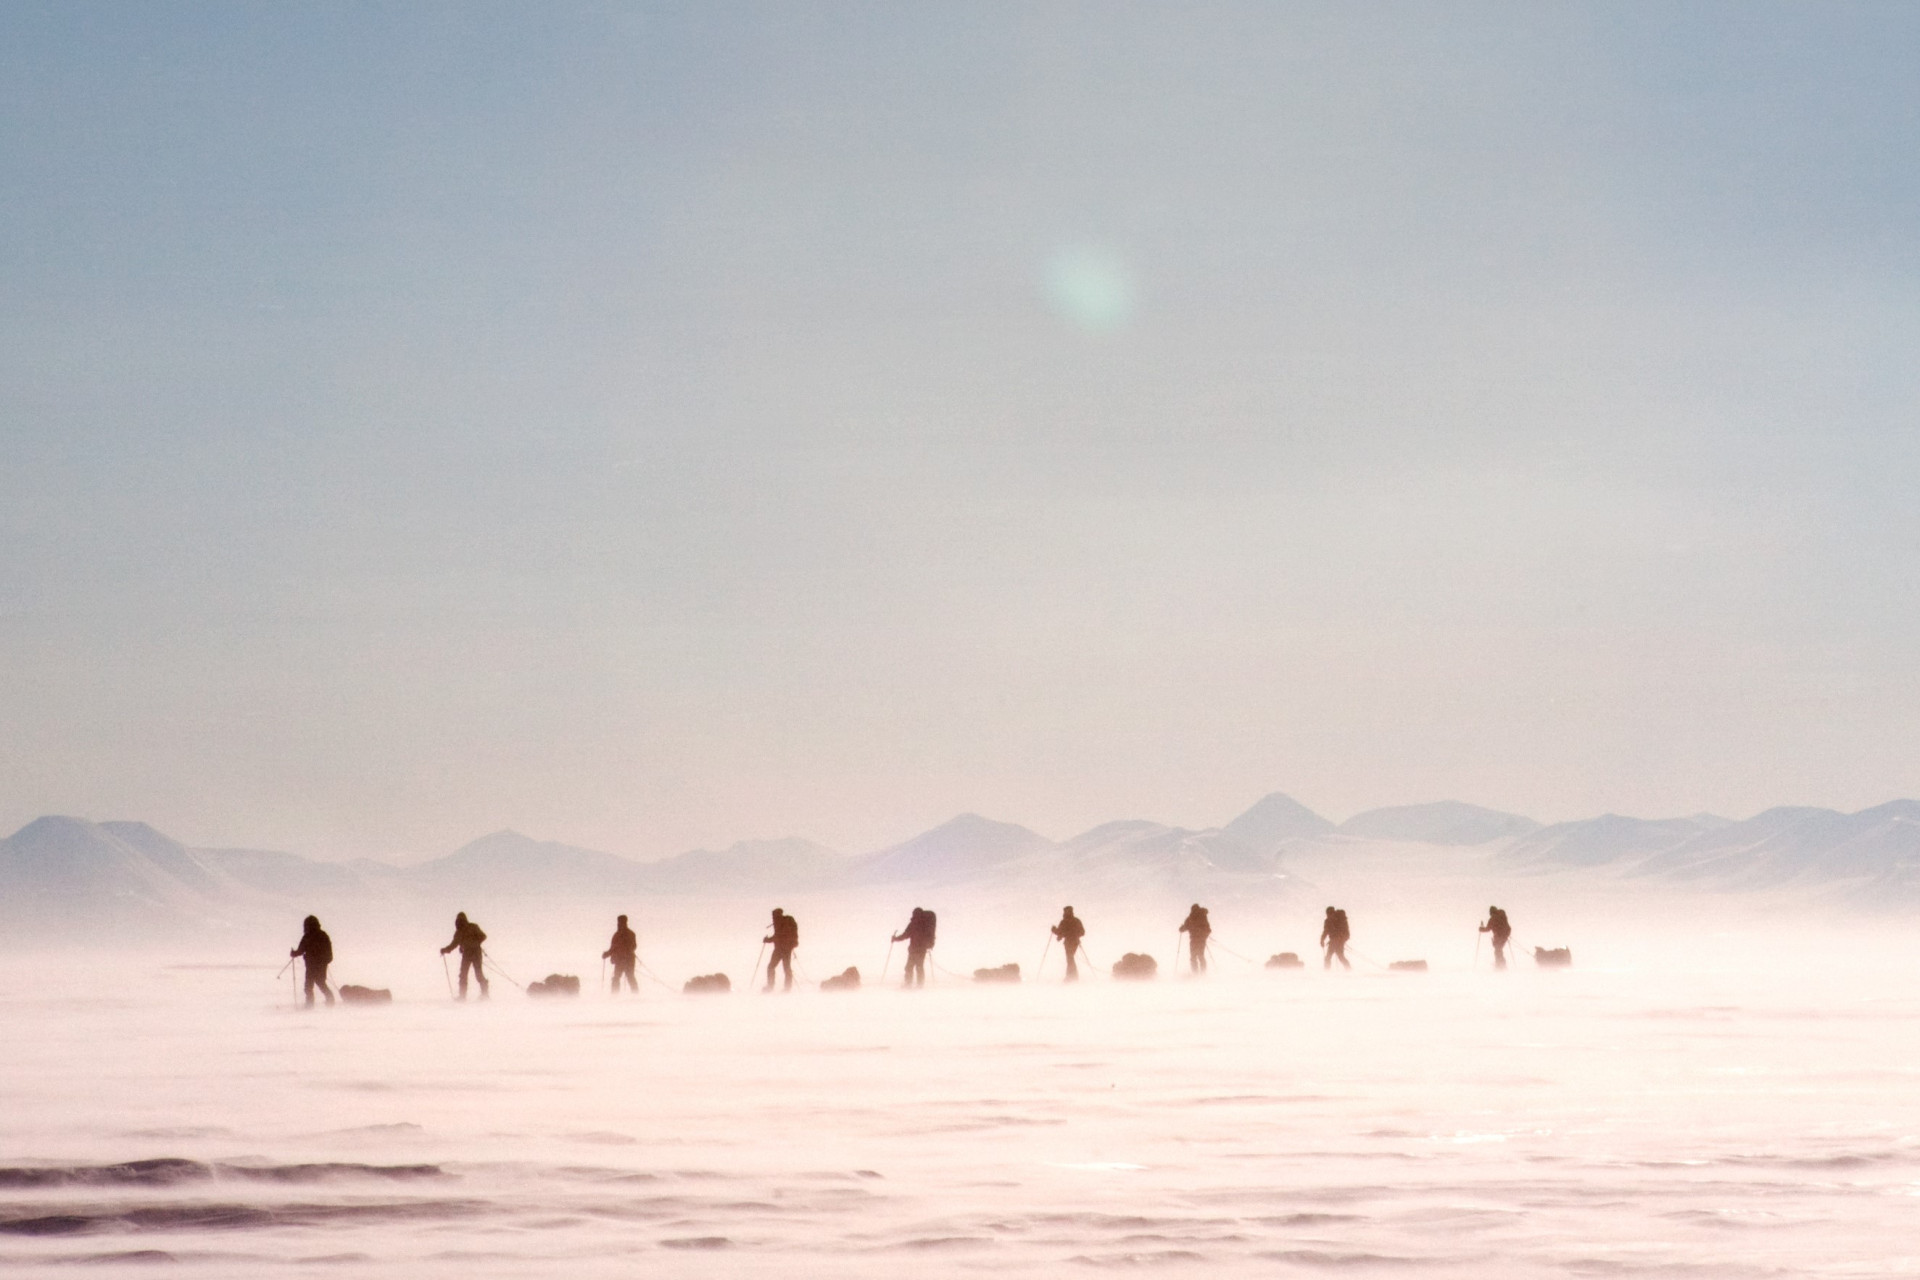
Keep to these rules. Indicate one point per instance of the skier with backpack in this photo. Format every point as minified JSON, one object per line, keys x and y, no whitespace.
{"x":1333,"y":935}
{"x":785,"y":937}
{"x":1497,"y":926}
{"x":1070,"y":930}
{"x":1198,"y":929}
{"x":471,"y":940}
{"x":317,"y":947}
{"x":918,"y":935}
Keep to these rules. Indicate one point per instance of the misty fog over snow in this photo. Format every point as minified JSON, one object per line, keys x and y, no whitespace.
{"x":1721,"y":1084}
{"x":1722,"y":1107}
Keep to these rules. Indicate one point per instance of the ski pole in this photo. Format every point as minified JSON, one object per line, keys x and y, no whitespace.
{"x":888,"y":962}
{"x":447,"y":969}
{"x":603,"y":972}
{"x":754,"y":976}
{"x":1042,"y":966}
{"x":1476,"y":949}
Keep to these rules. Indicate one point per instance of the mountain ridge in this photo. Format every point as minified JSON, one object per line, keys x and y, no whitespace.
{"x":63,"y":871}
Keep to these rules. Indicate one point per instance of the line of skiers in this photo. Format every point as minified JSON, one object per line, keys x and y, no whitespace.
{"x":469,"y":939}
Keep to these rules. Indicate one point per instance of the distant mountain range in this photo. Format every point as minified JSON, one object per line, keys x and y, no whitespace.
{"x":1875,"y":852}
{"x":60,"y":874}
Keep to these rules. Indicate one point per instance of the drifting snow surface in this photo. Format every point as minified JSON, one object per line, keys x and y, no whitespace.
{"x":1735,"y":1112}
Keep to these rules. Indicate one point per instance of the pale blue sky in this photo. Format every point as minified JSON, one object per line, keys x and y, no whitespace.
{"x":652,"y":427}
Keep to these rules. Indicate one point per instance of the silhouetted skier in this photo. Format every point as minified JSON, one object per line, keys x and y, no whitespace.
{"x":1070,"y":931}
{"x":470,"y":938}
{"x":785,"y":937}
{"x":1497,"y":926}
{"x":1333,"y":935}
{"x":918,"y":935}
{"x":1197,"y":929}
{"x":317,"y":947}
{"x":624,"y":951}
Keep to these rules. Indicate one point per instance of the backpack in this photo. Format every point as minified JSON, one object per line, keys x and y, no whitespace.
{"x":930,"y":925}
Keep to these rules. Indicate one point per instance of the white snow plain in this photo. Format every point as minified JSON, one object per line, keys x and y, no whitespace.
{"x":1742,"y":1105}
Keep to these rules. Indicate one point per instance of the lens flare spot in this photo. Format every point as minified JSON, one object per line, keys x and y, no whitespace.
{"x":1091,"y":288}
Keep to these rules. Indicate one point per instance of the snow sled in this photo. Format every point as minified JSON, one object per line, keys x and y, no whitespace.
{"x":708,"y":984}
{"x":366,"y":995}
{"x":1408,"y":966}
{"x":1135,"y":967}
{"x":1285,"y":960}
{"x":1557,"y":958}
{"x":848,"y":981}
{"x":1005,"y":973}
{"x":555,"y":984}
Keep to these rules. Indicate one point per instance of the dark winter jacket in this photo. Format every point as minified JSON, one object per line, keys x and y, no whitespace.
{"x":786,"y":934}
{"x":919,"y":933}
{"x":469,"y":937}
{"x":316,"y":946}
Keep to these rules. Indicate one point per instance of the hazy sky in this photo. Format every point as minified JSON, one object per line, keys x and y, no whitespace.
{"x":655,"y":427}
